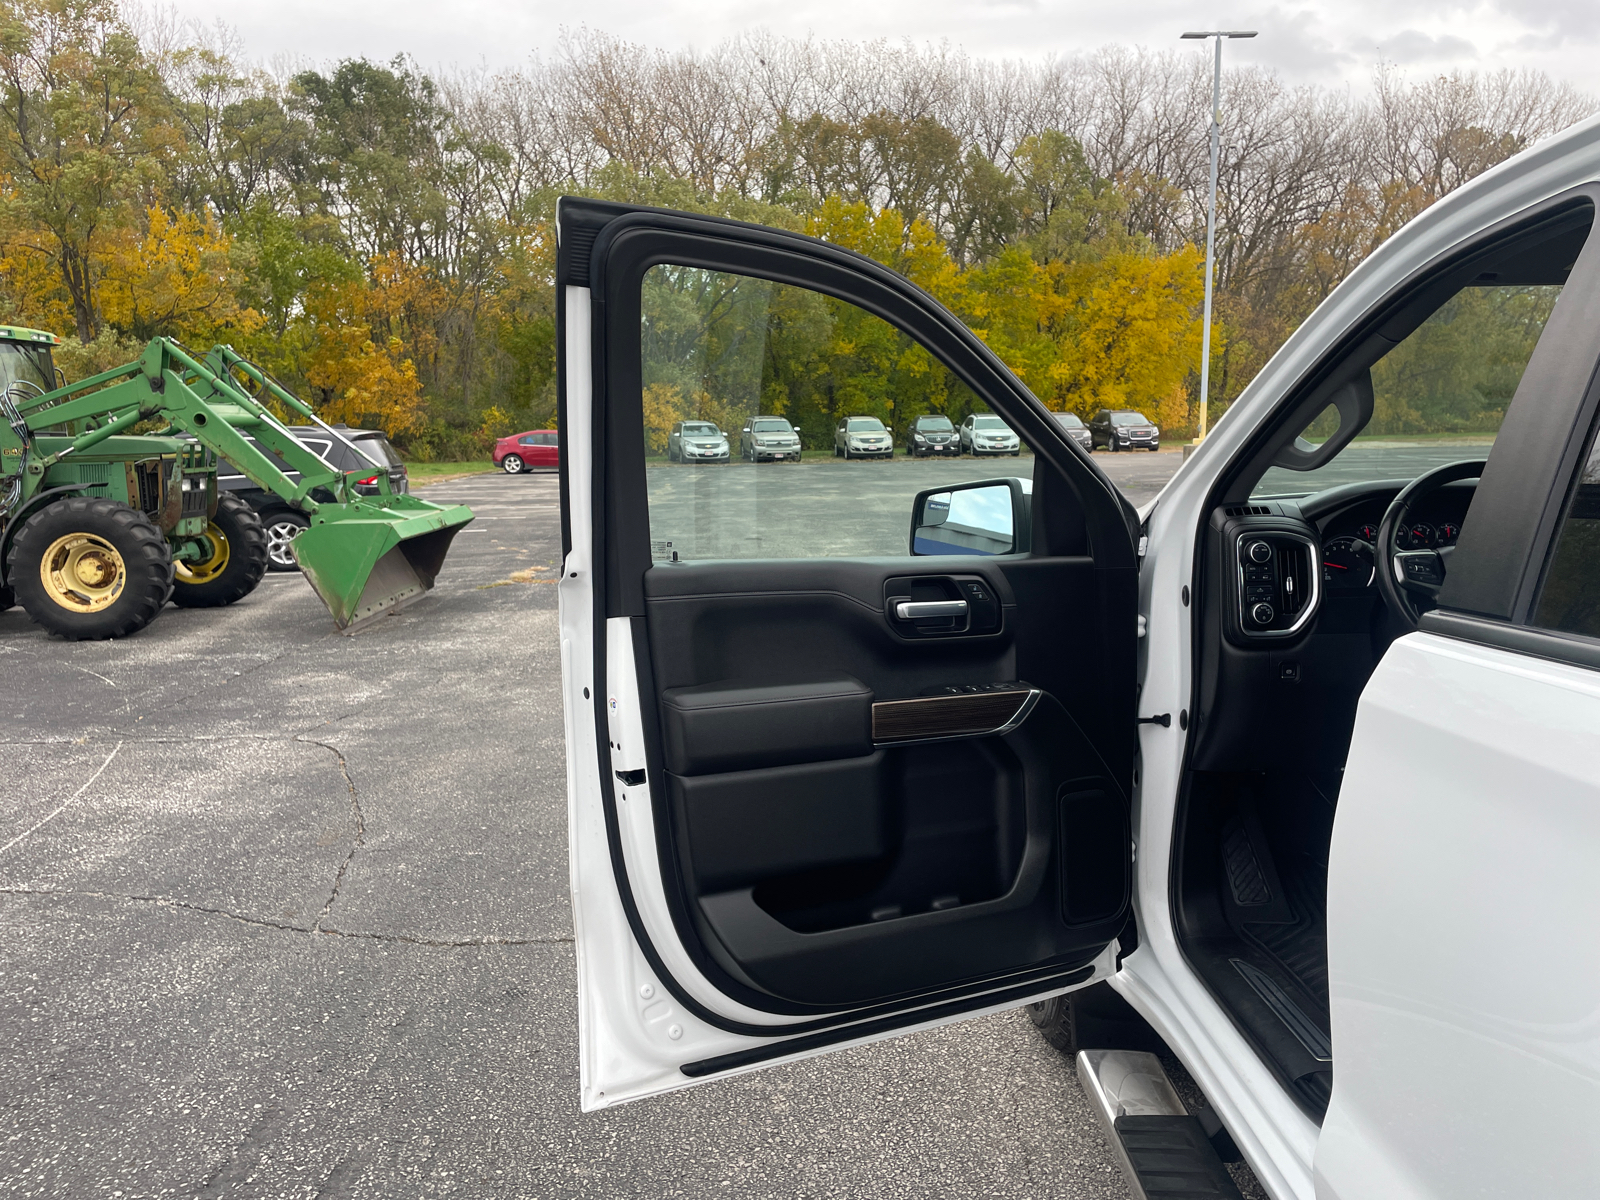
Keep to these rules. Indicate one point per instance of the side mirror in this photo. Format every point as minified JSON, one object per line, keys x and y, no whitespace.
{"x":992,"y":516}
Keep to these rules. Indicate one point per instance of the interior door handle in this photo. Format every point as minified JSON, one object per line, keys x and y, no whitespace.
{"x":910,"y":610}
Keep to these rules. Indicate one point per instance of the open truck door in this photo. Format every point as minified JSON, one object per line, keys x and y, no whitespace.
{"x":850,"y":746}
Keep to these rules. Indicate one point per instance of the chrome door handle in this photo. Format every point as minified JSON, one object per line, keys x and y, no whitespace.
{"x":910,"y":610}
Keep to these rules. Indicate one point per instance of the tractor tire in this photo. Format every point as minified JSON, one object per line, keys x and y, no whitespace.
{"x":86,"y":568}
{"x":282,"y":527}
{"x":238,"y":561}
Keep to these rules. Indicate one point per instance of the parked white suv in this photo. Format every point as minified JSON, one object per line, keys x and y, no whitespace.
{"x":1315,"y":797}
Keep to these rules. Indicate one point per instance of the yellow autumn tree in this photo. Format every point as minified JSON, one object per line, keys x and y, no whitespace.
{"x":1127,"y":332}
{"x":915,"y":250}
{"x":173,"y":273}
{"x":357,"y":380}
{"x":30,"y":280}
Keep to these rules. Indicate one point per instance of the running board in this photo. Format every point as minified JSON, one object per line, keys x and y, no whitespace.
{"x":1164,"y":1152}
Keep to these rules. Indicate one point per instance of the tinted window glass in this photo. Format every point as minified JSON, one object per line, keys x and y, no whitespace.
{"x":1129,"y":419}
{"x":770,"y":427}
{"x":699,"y":429}
{"x":1570,"y":600}
{"x":935,"y":424}
{"x":988,"y":422}
{"x":725,"y":348}
{"x":1069,"y":420}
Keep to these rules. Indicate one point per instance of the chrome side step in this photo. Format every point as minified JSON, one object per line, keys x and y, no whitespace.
{"x":1164,"y":1151}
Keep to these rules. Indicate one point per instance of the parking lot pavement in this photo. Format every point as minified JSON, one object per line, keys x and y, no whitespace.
{"x":853,"y":509}
{"x":285,"y":914}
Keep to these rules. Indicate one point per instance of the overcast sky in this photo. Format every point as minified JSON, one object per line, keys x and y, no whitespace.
{"x":1328,"y":41}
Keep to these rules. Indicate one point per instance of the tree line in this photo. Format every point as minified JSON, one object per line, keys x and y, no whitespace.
{"x":380,"y":237}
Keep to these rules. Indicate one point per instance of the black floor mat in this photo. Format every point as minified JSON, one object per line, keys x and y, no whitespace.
{"x":1277,"y":894}
{"x":1300,"y":947}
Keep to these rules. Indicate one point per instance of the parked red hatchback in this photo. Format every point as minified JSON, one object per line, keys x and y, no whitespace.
{"x":523,"y":451}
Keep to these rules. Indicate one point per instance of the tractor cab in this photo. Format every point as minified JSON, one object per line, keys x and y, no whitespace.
{"x":25,"y":357}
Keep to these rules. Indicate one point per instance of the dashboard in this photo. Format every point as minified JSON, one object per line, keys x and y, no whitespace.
{"x":1348,"y":531}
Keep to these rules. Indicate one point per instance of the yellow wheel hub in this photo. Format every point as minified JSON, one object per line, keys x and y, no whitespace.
{"x":207,"y":569}
{"x":82,"y":573}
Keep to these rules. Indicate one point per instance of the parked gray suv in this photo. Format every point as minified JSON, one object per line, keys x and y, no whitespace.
{"x":985,"y":433}
{"x":697,"y":441}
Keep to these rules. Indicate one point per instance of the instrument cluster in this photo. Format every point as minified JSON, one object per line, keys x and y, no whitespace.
{"x":1349,"y":544}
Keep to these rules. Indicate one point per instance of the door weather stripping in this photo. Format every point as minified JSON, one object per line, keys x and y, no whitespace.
{"x":1164,"y":1152}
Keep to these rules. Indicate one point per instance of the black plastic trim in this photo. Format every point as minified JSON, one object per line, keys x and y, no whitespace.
{"x":799,"y":1045}
{"x":1523,"y":639}
{"x":1519,"y":500}
{"x":561,"y":421}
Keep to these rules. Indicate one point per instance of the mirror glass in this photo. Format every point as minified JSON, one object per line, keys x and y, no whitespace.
{"x":974,"y":520}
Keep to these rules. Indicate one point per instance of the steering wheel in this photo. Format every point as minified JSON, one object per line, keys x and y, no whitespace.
{"x":1407,"y":576}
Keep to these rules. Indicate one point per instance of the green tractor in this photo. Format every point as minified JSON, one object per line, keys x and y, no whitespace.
{"x":100,"y":527}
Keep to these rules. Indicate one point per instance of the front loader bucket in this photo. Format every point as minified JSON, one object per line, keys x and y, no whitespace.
{"x":373,"y":557}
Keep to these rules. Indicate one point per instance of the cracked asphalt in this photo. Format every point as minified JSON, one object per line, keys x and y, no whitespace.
{"x":285,"y":914}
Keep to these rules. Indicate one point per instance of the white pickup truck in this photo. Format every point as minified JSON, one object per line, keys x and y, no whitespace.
{"x":1297,"y":767}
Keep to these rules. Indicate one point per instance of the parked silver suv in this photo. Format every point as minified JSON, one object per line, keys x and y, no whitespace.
{"x":766,"y":439}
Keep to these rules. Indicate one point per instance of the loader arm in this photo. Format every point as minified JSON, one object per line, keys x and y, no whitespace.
{"x":364,"y":555}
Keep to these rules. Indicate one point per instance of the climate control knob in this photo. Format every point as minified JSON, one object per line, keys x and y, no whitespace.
{"x":1262,"y":614}
{"x":1259,"y":552}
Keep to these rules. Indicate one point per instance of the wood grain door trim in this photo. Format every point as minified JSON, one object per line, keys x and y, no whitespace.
{"x":935,"y":718}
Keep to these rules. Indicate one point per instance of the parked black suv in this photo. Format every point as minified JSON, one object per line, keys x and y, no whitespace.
{"x":1123,"y":429}
{"x":1076,"y":429}
{"x":283,"y":523}
{"x":932,"y":433}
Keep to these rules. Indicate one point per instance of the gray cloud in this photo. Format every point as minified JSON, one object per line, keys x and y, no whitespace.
{"x":1412,"y":46}
{"x":1326,"y":42}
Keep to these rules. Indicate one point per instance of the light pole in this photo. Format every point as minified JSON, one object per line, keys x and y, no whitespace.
{"x":1211,"y":211}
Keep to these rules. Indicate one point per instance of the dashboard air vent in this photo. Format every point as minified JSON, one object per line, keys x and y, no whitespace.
{"x":1248,"y":510}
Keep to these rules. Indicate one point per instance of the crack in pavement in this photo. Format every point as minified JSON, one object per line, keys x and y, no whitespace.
{"x":318,"y":926}
{"x":344,"y":769}
{"x":361,"y":824}
{"x":285,"y":927}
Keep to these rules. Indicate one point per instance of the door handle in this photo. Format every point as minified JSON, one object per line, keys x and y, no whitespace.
{"x":910,"y":610}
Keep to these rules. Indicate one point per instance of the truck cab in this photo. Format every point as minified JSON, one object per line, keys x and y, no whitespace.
{"x":1325,"y":748}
